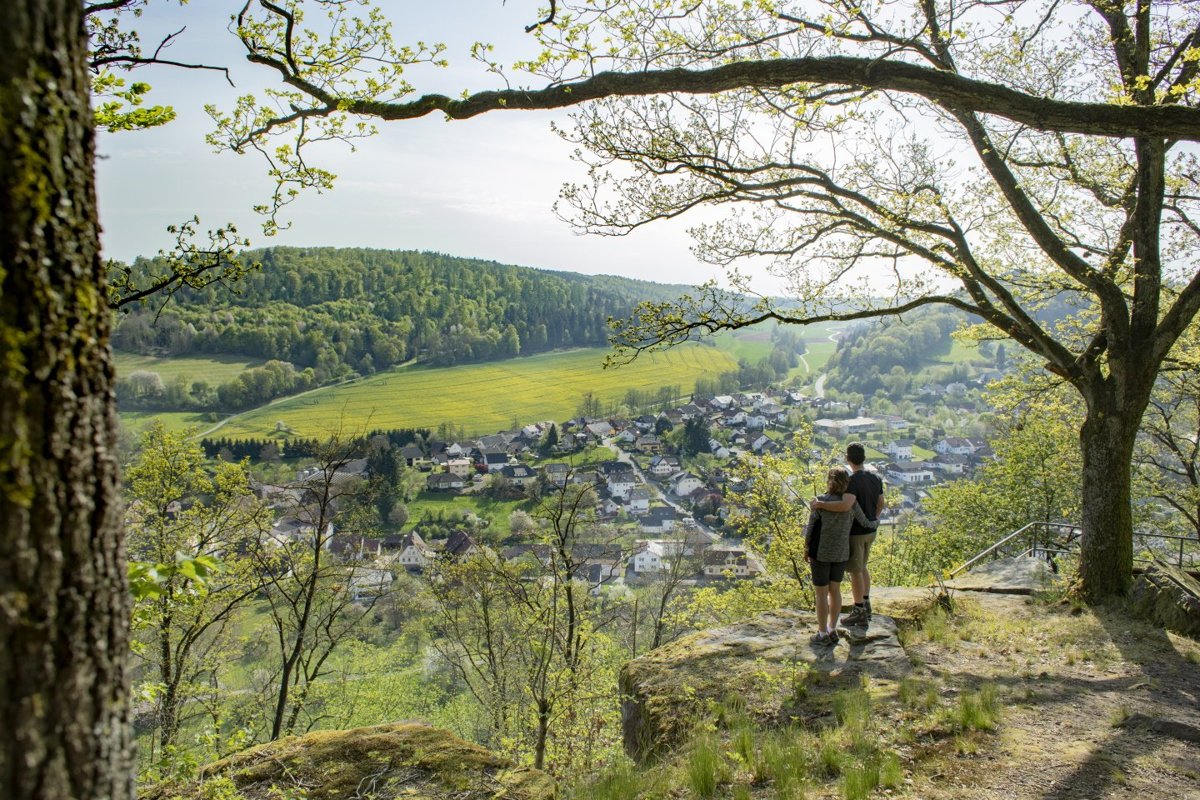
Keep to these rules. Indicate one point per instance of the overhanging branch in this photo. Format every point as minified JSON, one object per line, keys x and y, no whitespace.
{"x":1096,"y":119}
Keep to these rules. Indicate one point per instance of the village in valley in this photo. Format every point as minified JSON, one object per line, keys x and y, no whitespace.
{"x":653,"y":507}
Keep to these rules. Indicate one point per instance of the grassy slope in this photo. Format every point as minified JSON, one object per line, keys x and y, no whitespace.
{"x":213,"y":369}
{"x":752,"y":345}
{"x":481,"y":397}
{"x":138,"y":421}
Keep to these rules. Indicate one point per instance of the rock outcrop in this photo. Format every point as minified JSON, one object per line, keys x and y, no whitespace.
{"x":386,"y":762}
{"x":765,"y":667}
{"x":1014,"y":575}
{"x":1169,"y":597}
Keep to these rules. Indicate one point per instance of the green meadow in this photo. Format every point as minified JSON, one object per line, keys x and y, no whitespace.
{"x":961,"y":353}
{"x":213,"y":369}
{"x":138,"y":421}
{"x":480,"y":397}
{"x":752,"y":344}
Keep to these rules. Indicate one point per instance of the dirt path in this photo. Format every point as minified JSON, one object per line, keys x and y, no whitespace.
{"x":1095,"y":704}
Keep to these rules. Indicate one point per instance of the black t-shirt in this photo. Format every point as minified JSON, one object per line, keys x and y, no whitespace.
{"x":866,"y":487}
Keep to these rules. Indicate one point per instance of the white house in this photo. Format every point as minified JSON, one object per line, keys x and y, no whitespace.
{"x":639,"y":500}
{"x":846,"y":427}
{"x":661,"y":519}
{"x":910,"y":472}
{"x":756,"y":422}
{"x":726,"y":561}
{"x":655,"y":555}
{"x":414,"y":554}
{"x":556,"y":473}
{"x":462,"y":467}
{"x":663,"y":466}
{"x":367,"y":582}
{"x":955,"y":445}
{"x":684,"y":483}
{"x":901,"y":449}
{"x":649,"y":557}
{"x":444,"y":482}
{"x":620,"y":484}
{"x":951,"y":464}
{"x":519,"y":475}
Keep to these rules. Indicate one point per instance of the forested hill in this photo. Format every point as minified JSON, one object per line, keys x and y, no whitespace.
{"x":343,"y":311}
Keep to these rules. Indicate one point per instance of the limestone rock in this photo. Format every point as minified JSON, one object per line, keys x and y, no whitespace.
{"x":386,"y":762}
{"x":766,"y":665}
{"x":1170,"y":597}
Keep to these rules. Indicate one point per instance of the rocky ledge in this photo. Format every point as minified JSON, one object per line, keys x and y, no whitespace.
{"x":1170,"y":597}
{"x":765,"y":667}
{"x":386,"y":762}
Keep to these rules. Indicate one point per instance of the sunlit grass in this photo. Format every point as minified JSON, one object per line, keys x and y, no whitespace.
{"x":483,"y":397}
{"x":213,"y":370}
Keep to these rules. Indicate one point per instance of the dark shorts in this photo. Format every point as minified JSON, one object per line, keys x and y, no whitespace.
{"x":827,"y":572}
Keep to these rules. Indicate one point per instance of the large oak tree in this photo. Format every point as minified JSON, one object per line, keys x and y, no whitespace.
{"x":990,"y":155}
{"x":64,"y":604}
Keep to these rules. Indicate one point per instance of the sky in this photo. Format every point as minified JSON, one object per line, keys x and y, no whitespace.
{"x":480,"y":188}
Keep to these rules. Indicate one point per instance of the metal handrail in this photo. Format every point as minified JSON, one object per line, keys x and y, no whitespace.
{"x":1050,"y":549}
{"x":991,"y":551}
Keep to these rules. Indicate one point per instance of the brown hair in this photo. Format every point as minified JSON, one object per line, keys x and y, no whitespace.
{"x":838,"y":480}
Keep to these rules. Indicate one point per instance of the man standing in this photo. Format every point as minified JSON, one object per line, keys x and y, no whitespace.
{"x":866,"y":489}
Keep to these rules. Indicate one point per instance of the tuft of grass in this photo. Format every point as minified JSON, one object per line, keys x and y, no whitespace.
{"x":891,"y":774}
{"x":614,"y":783}
{"x":936,"y":626}
{"x":830,"y":757}
{"x":978,"y":711}
{"x":965,"y":746}
{"x":852,"y":708}
{"x":731,"y":711}
{"x":859,"y":780}
{"x":784,"y":762}
{"x":743,"y":744}
{"x":1119,"y":716}
{"x":704,"y":767}
{"x":917,"y":694}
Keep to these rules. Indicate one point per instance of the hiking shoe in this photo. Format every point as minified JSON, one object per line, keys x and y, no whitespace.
{"x":855,"y":616}
{"x":823,"y":639}
{"x":834,"y":638}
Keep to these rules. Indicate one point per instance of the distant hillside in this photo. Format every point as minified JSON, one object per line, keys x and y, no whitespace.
{"x":346,"y":311}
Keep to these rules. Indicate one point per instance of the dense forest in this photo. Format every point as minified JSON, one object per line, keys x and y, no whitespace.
{"x":338,"y":310}
{"x":334,"y":313}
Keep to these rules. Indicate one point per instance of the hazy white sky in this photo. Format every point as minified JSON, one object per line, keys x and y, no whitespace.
{"x":482,"y":188}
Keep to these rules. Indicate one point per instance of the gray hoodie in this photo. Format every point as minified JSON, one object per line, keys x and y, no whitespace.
{"x":834,"y":543}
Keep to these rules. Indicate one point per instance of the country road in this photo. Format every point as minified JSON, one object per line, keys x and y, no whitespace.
{"x":625,"y":458}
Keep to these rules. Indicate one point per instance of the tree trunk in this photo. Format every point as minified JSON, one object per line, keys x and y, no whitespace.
{"x":64,"y":604}
{"x":168,"y":704}
{"x":543,"y":733}
{"x":1106,"y":552}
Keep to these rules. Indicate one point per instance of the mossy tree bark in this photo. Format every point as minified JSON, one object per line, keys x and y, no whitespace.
{"x":64,"y":604}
